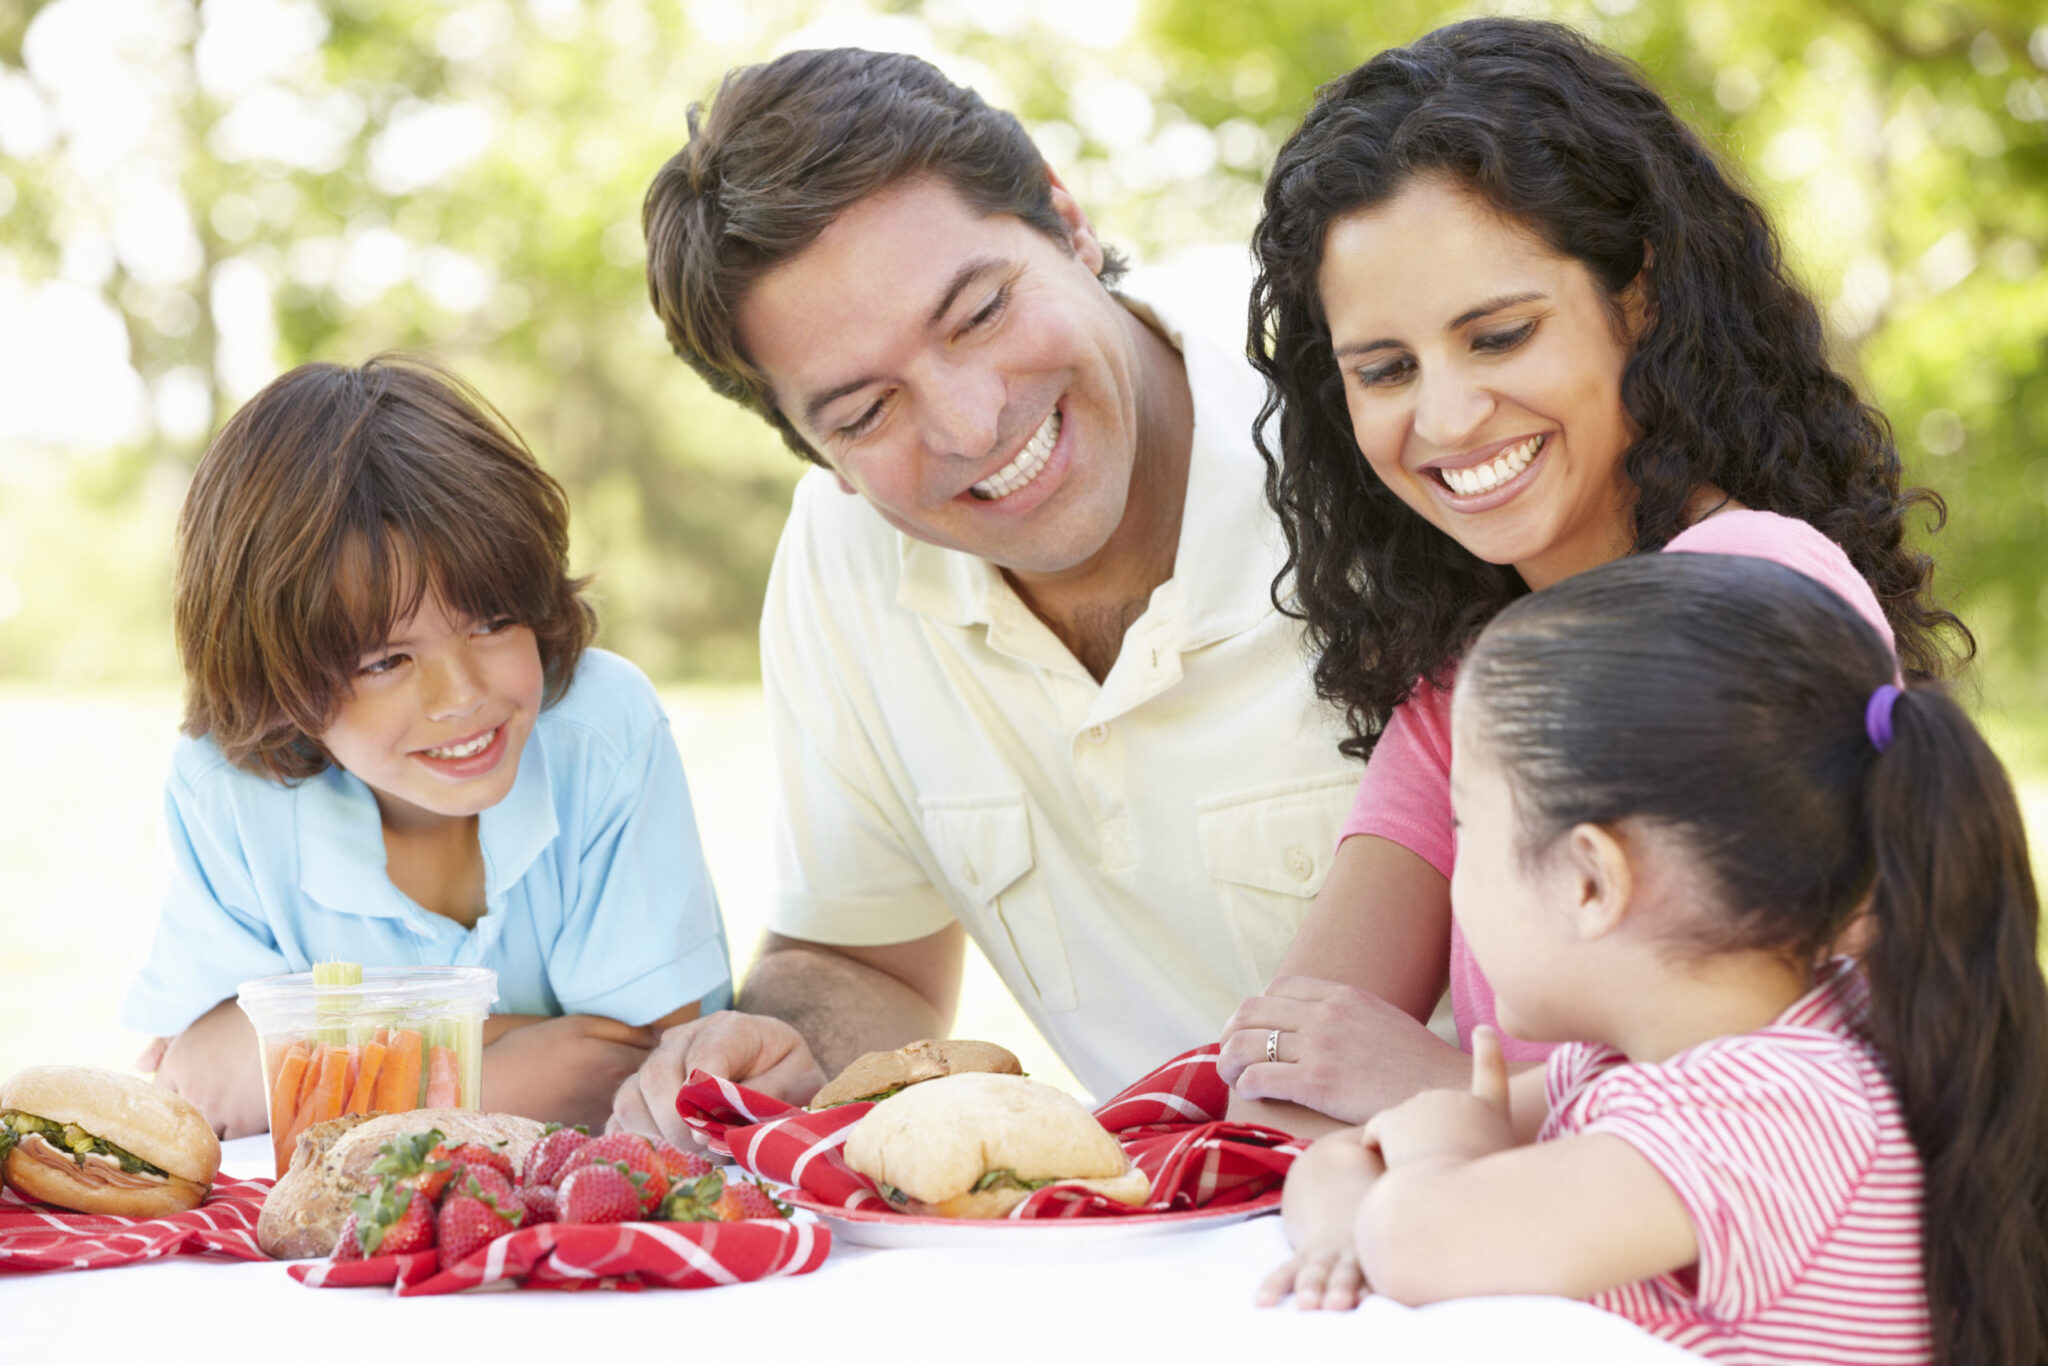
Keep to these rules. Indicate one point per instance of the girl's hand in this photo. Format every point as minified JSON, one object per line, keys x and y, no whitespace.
{"x":1457,"y":1124}
{"x":1325,"y":1278}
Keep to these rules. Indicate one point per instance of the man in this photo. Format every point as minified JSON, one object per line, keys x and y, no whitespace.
{"x":1027,"y":684}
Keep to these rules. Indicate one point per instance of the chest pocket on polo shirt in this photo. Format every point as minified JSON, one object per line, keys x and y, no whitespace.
{"x":984,"y":846}
{"x":1269,"y":850}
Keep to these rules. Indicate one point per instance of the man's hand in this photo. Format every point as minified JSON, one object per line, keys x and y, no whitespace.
{"x":1461,"y":1125}
{"x":760,"y":1050}
{"x":1343,"y":1052}
{"x":213,"y":1064}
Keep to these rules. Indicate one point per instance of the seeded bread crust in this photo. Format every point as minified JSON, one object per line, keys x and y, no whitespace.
{"x":926,"y":1060}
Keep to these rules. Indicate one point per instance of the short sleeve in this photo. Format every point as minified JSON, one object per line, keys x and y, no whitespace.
{"x":643,"y":935}
{"x":846,"y":869}
{"x":210,"y":935}
{"x":1405,"y":793}
{"x":1765,"y":1144}
{"x":1792,"y":543}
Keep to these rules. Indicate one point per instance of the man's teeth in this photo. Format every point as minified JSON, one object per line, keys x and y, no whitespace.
{"x":476,"y":746}
{"x":1495,"y":472}
{"x":1026,"y":466}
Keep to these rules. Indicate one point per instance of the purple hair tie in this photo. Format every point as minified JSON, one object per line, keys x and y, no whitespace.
{"x":1877,"y":716}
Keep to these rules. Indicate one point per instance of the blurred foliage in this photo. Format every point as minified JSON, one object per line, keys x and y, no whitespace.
{"x":465,"y":178}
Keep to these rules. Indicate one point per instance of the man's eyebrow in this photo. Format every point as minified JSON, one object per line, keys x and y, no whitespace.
{"x":978,"y":268}
{"x":1470,"y":315}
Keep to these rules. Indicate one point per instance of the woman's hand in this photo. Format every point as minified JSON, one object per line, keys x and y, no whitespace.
{"x":215,"y":1065}
{"x":1461,"y":1125}
{"x":1342,"y":1051}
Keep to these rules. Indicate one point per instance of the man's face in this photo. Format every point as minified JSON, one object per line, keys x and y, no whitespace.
{"x":965,"y":373}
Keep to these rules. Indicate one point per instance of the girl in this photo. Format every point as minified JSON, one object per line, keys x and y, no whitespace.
{"x":1515,"y":322}
{"x":399,"y":752}
{"x":1677,"y":779}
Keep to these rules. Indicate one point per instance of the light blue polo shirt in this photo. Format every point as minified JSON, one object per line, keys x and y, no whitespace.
{"x":597,"y":898}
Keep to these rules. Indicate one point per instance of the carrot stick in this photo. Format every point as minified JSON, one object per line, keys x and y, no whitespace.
{"x":332,"y":1092}
{"x":398,"y":1081}
{"x":355,"y":1065}
{"x":360,"y":1094}
{"x":284,"y":1102}
{"x":443,"y":1079}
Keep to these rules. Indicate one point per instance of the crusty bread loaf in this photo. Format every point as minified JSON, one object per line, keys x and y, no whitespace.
{"x":872,"y":1074}
{"x":934,"y":1143}
{"x":331,"y":1166}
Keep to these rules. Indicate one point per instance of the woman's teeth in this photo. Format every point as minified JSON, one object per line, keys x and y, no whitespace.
{"x":1025,"y":467}
{"x":1495,"y":472}
{"x":476,"y":746}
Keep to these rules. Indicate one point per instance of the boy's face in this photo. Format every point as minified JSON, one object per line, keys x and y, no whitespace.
{"x":436,"y":720}
{"x":966,"y":374}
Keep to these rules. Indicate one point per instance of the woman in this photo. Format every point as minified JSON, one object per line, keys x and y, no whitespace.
{"x":1515,"y":322}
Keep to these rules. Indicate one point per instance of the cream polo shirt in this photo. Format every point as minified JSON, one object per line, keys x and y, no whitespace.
{"x":1132,"y":856}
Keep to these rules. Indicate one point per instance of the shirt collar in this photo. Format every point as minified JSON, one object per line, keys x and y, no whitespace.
{"x":1230,"y":544}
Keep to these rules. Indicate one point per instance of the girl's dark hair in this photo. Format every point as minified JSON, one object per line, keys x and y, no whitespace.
{"x":321,"y":516}
{"x":1728,"y":384}
{"x":1722,"y":698}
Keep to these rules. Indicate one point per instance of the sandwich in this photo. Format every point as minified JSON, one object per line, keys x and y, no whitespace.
{"x":877,"y":1076}
{"x":102,"y":1143}
{"x":975,"y":1145}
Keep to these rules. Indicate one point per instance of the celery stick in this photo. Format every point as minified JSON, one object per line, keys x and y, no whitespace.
{"x":333,"y":1028}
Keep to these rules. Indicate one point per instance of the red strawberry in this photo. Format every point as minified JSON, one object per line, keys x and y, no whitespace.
{"x":681,"y":1166}
{"x":483,"y":1183}
{"x":749,"y":1200}
{"x":633,"y":1153}
{"x":466,"y":1224}
{"x":547,"y":1158}
{"x":391,"y":1218}
{"x":540,"y":1202}
{"x":695,"y":1202}
{"x":417,"y":1160}
{"x":477,"y":1155}
{"x":603,"y":1194}
{"x":349,"y":1247}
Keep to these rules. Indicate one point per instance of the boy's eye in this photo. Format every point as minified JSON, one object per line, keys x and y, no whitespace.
{"x":383,"y":665}
{"x":497,"y":624}
{"x":1504,"y":341}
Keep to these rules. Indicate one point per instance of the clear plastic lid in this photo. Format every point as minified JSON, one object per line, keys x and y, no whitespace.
{"x":385,"y":996}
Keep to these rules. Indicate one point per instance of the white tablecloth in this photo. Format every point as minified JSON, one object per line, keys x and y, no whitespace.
{"x":1182,"y":1297}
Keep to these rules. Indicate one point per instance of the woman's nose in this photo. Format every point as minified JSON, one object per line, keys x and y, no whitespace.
{"x":1450,"y":408}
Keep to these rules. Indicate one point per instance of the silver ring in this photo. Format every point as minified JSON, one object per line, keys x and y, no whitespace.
{"x":1273,"y":1046}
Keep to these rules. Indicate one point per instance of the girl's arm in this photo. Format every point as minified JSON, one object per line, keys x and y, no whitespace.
{"x":1325,"y":1189}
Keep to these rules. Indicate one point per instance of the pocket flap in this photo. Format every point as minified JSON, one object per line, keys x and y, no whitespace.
{"x":1277,"y":839}
{"x":983,"y":844}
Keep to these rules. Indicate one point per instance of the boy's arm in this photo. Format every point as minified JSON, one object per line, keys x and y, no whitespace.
{"x":214,"y":1063}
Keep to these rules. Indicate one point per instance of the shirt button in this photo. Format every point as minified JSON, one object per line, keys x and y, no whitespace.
{"x":1097,"y":734}
{"x":1300,"y":866}
{"x":967,"y":873}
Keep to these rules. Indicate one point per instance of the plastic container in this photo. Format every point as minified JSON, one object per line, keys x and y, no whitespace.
{"x":397,"y":1039}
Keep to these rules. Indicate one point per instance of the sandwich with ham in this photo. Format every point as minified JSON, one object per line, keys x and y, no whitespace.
{"x":86,"y":1139}
{"x":877,"y":1076}
{"x":976,"y":1145}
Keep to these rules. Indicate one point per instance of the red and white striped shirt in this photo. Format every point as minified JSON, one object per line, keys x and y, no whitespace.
{"x":1788,"y":1147}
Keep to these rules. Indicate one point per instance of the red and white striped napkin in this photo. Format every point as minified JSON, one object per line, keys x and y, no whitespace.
{"x":1169,"y":1122}
{"x":37,"y":1237}
{"x":598,"y":1257}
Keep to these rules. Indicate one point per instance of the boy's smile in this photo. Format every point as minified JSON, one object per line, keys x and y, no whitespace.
{"x":435,"y":721}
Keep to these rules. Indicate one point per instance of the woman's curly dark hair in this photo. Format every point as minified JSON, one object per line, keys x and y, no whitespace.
{"x":1728,"y":383}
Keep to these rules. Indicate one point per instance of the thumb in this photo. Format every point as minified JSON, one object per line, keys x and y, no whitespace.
{"x":1489,"y":1069}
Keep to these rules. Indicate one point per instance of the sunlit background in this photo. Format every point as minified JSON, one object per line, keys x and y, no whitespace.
{"x":195,"y":196}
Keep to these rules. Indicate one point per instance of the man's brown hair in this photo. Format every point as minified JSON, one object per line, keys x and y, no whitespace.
{"x":786,"y":148}
{"x":321,"y":517}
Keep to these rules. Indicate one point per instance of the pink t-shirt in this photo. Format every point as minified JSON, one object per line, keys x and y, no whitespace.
{"x":1789,"y":1150}
{"x":1405,"y":795}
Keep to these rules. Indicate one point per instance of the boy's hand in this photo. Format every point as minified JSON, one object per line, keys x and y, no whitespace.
{"x":1459,"y":1124}
{"x":214,"y":1065}
{"x":564,"y":1069}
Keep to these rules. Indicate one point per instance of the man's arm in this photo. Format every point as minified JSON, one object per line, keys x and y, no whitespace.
{"x":808,"y":1010}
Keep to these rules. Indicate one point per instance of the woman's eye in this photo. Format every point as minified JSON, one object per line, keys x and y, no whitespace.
{"x":1504,"y":341}
{"x":1392,"y":372}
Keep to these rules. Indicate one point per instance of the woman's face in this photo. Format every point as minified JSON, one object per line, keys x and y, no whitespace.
{"x":1483,"y":376}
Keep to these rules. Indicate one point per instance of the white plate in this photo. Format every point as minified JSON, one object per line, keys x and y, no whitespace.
{"x":875,"y":1229}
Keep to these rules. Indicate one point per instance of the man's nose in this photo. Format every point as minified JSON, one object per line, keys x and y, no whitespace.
{"x":962,"y":409}
{"x":1450,"y":407}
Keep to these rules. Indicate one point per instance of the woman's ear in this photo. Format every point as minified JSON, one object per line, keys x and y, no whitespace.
{"x":1639,"y":299}
{"x":1603,"y":878}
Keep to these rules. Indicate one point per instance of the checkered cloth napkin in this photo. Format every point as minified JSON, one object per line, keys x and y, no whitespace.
{"x":1169,"y":1123}
{"x":598,"y":1257}
{"x":42,"y":1238}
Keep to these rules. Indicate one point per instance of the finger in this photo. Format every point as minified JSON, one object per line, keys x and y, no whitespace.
{"x":630,"y":1111}
{"x":1279,"y":1283}
{"x":1489,"y":1069}
{"x":1346,"y":1285}
{"x":1369,"y":1136}
{"x":1309,"y":1277}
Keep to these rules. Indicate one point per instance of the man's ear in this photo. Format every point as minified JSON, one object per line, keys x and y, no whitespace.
{"x":1080,"y":232}
{"x":1603,"y":879}
{"x":840,"y":479}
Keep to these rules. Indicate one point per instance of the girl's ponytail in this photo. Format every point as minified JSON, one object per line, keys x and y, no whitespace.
{"x":1960,"y":1012}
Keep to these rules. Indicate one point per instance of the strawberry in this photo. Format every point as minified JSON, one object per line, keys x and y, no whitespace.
{"x":547,"y":1158}
{"x":602,"y":1194}
{"x":749,"y":1200}
{"x":540,"y":1202}
{"x":695,"y":1202}
{"x":635,"y":1154}
{"x":483,"y":1183}
{"x":417,"y":1160}
{"x":681,"y":1166}
{"x":477,"y":1155}
{"x":349,"y":1247}
{"x":389,"y":1219}
{"x":466,"y":1224}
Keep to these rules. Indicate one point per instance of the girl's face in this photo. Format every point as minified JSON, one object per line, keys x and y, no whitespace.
{"x":1516,"y":913}
{"x":1483,"y":376}
{"x":436,"y":720}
